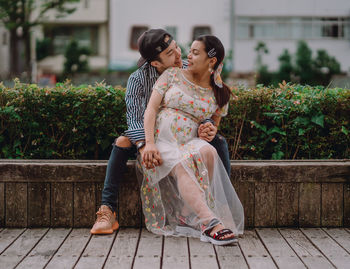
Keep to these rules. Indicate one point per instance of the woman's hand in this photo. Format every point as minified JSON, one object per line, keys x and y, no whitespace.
{"x":207,"y":131}
{"x":151,"y":156}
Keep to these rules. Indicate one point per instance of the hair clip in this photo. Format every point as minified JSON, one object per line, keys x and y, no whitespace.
{"x":211,"y":53}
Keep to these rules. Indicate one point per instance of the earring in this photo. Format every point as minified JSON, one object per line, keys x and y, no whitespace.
{"x":211,"y":70}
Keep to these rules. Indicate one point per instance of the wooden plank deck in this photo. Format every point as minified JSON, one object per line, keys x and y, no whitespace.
{"x":134,"y":248}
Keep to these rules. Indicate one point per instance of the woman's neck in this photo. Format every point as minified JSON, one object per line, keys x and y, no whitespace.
{"x":202,"y":80}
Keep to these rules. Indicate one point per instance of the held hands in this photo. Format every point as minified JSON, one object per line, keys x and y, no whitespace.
{"x":150,"y":156}
{"x":207,"y":131}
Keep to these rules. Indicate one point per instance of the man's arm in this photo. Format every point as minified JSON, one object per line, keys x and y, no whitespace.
{"x":135,"y":108}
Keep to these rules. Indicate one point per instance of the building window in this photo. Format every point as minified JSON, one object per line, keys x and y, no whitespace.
{"x":172,"y":30}
{"x":136,"y":32}
{"x":61,"y":36}
{"x":200,"y":30}
{"x":292,"y":28}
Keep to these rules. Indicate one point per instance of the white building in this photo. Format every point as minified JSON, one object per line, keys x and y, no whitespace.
{"x":111,"y":28}
{"x":88,"y":25}
{"x":280,"y":24}
{"x":240,"y":24}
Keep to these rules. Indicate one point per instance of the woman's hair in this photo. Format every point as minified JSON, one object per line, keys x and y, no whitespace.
{"x":214,"y":46}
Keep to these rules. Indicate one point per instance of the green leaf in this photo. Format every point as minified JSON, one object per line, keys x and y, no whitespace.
{"x":260,"y":127}
{"x":276,"y":130}
{"x":301,"y":131}
{"x":277,"y":155}
{"x":302,"y":120}
{"x":319,"y":120}
{"x":344,"y":130}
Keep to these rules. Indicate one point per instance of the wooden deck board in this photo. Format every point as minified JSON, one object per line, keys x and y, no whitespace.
{"x":45,"y":249}
{"x":149,"y":251}
{"x":7,"y":236}
{"x":335,"y":253}
{"x":21,"y":247}
{"x":123,"y":249}
{"x":202,"y":254}
{"x":255,"y":252}
{"x":281,"y":252}
{"x":96,"y":251}
{"x":71,"y":249}
{"x":175,"y":253}
{"x":231,"y":257}
{"x":308,"y":253}
{"x":341,"y":236}
{"x":313,"y":248}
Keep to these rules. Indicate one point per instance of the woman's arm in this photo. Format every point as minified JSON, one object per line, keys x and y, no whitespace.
{"x":150,"y":154}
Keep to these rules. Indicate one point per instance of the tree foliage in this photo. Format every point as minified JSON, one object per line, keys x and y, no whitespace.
{"x":19,"y":16}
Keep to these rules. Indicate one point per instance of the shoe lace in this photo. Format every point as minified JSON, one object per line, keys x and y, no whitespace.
{"x":103,"y":216}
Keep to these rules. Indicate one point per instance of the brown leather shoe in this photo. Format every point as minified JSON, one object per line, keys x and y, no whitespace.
{"x":105,"y":222}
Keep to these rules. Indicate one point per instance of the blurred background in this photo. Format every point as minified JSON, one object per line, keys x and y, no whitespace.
{"x":266,"y":42}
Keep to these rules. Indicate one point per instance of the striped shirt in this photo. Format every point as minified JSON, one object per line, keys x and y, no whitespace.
{"x":138,"y":93}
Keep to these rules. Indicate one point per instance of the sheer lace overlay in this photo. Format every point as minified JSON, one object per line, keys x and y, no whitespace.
{"x":191,"y":187}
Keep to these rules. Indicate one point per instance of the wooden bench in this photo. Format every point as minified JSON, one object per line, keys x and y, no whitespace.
{"x":66,"y":193}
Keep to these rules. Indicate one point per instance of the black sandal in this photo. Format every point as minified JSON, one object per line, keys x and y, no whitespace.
{"x":218,"y":237}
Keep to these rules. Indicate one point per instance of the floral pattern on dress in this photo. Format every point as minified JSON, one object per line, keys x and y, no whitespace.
{"x":183,"y":107}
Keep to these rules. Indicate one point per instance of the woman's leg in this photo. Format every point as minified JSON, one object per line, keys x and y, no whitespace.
{"x":192,"y":195}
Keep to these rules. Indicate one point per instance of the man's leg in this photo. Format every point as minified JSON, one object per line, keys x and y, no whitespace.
{"x":220,"y":144}
{"x":106,"y":218}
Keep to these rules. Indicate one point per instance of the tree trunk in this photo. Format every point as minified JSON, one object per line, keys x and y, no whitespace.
{"x":27,"y":51}
{"x":14,"y":40}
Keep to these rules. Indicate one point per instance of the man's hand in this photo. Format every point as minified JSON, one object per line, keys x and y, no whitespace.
{"x":150,"y":156}
{"x":207,"y":131}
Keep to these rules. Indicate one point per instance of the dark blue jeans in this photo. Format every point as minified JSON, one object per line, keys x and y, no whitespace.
{"x":117,"y":166}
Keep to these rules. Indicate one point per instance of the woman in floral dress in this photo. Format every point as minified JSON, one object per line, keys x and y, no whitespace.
{"x":190,"y":193}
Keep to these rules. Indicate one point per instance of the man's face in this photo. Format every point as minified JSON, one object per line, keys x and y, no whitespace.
{"x":170,"y":57}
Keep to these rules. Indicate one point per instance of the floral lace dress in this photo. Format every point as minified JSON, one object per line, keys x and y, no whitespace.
{"x":191,"y":187}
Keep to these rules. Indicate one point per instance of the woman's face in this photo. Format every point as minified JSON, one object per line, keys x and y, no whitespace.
{"x":198,"y":60}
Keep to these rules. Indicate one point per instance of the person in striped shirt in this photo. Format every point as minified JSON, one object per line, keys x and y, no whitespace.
{"x":159,"y":51}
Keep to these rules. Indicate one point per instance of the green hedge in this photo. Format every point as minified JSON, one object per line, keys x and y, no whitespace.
{"x":69,"y":122}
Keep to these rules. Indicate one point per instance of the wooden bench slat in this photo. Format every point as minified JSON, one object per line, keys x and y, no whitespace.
{"x":21,"y":247}
{"x":245,"y":191}
{"x":332,"y":204}
{"x":287,"y":204}
{"x":175,"y":253}
{"x":16,"y":204}
{"x":347,"y":205}
{"x":45,"y":249}
{"x":202,"y":254}
{"x":265,"y":204}
{"x":279,"y":249}
{"x":310,"y":204}
{"x":84,"y":204}
{"x":7,"y":236}
{"x":96,"y":251}
{"x":336,"y":254}
{"x":310,"y":255}
{"x":149,"y":251}
{"x":254,"y":251}
{"x":123,"y":250}
{"x":62,"y":205}
{"x":39,"y":204}
{"x":71,"y":249}
{"x":2,"y":204}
